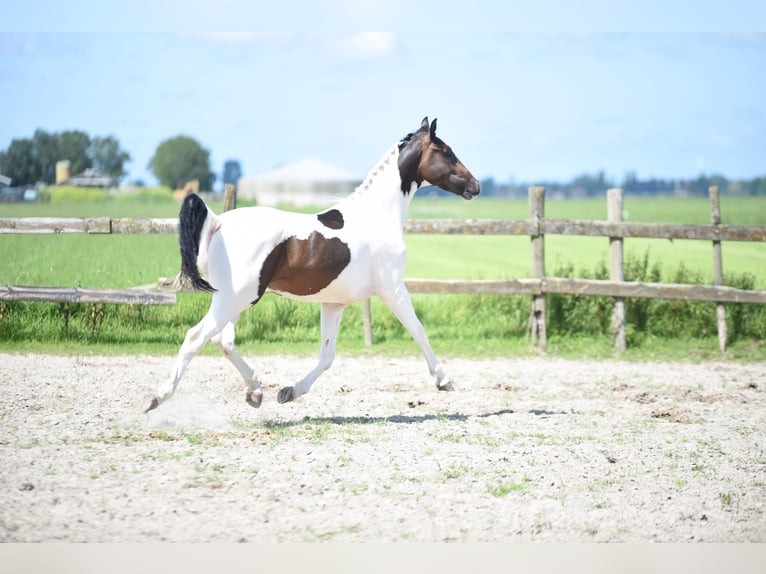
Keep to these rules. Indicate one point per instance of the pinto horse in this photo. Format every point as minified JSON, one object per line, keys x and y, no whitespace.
{"x":344,"y":254}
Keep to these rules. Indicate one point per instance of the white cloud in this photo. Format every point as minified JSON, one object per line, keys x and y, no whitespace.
{"x":367,"y":45}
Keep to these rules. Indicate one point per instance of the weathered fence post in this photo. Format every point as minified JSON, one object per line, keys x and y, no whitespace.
{"x":367,"y":322}
{"x":229,"y":197}
{"x":720,"y":310}
{"x":614,"y":203}
{"x":536,"y":325}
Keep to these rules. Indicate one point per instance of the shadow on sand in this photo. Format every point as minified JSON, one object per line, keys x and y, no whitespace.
{"x":399,"y":419}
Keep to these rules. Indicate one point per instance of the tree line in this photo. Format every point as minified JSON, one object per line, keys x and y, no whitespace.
{"x":591,"y":185}
{"x":31,"y":161}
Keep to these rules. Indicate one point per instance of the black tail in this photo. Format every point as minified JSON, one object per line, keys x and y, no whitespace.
{"x":190,"y":222}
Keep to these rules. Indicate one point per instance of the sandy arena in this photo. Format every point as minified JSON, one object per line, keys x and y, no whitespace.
{"x":533,"y":449}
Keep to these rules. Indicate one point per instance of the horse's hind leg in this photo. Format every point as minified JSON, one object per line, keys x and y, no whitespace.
{"x":225,"y":341}
{"x":196,"y":337}
{"x":330,"y":322}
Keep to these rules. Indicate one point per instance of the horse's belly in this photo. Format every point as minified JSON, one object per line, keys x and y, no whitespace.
{"x":341,"y":290}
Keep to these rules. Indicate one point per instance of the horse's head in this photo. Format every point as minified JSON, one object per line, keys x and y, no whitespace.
{"x":425,"y":157}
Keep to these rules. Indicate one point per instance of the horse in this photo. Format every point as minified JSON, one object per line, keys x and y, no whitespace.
{"x":347,"y":253}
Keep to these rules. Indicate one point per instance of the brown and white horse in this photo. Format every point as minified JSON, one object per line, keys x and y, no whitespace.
{"x":345,"y":254}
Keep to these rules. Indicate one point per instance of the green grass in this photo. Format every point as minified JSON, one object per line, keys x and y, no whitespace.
{"x":503,"y":257}
{"x":734,"y":210}
{"x":457,"y":324}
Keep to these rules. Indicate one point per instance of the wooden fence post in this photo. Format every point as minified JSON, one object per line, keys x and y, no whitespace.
{"x":720,"y":310}
{"x":367,"y":322}
{"x":229,"y":197}
{"x":536,"y":325}
{"x":614,"y":203}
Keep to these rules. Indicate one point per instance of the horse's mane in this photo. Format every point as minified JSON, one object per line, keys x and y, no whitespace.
{"x":365,"y":186}
{"x":373,"y":173}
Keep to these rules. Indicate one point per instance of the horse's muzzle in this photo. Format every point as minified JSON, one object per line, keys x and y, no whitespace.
{"x":471,"y":190}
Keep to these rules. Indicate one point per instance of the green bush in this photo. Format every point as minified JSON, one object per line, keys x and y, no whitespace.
{"x":69,"y":193}
{"x":653,"y":318}
{"x":463,"y":323}
{"x":160,"y":194}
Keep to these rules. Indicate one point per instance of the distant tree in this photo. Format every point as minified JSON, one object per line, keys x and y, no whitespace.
{"x":181,"y":159}
{"x":232,"y":171}
{"x":488,"y":186}
{"x":758,"y":186}
{"x":47,"y":154}
{"x":593,"y":184}
{"x":19,"y":163}
{"x":31,"y":161}
{"x":107,"y":157}
{"x":74,"y":146}
{"x":701,"y":185}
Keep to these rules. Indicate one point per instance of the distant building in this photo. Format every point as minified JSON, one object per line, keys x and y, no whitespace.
{"x":90,"y":178}
{"x":62,"y":171}
{"x":309,"y":181}
{"x":10,"y":194}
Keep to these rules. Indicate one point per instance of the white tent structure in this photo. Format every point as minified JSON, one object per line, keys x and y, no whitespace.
{"x":308,"y":181}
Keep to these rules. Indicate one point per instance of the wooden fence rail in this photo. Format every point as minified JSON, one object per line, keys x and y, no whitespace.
{"x":536,"y":227}
{"x":85,"y":295}
{"x":592,"y":287}
{"x":582,"y":227}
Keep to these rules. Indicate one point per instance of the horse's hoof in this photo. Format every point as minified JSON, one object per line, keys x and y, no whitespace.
{"x":286,"y":394}
{"x":447,"y":386}
{"x":151,"y":404}
{"x":254,"y":398}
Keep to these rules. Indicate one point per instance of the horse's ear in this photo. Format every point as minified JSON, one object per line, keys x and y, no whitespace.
{"x":432,"y":132}
{"x":424,"y":123}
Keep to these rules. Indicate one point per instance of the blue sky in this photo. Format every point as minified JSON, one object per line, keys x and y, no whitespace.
{"x":528,"y":106}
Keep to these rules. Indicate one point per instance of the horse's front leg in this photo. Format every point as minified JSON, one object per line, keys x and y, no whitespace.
{"x":330,"y":322}
{"x":400,"y":303}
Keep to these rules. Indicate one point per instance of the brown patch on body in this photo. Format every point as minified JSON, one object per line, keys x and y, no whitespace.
{"x":304,"y":266}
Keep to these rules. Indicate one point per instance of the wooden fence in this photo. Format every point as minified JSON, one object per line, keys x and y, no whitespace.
{"x":536,"y":227}
{"x":95,"y":225}
{"x":616,"y":230}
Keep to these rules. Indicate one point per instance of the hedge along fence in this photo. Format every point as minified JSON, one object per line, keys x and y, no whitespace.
{"x":536,"y":227}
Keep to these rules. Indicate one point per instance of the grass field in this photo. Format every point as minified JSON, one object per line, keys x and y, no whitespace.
{"x":441,"y":257}
{"x":459,"y":323}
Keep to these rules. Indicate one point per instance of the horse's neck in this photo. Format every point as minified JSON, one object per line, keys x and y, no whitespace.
{"x":380,"y":194}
